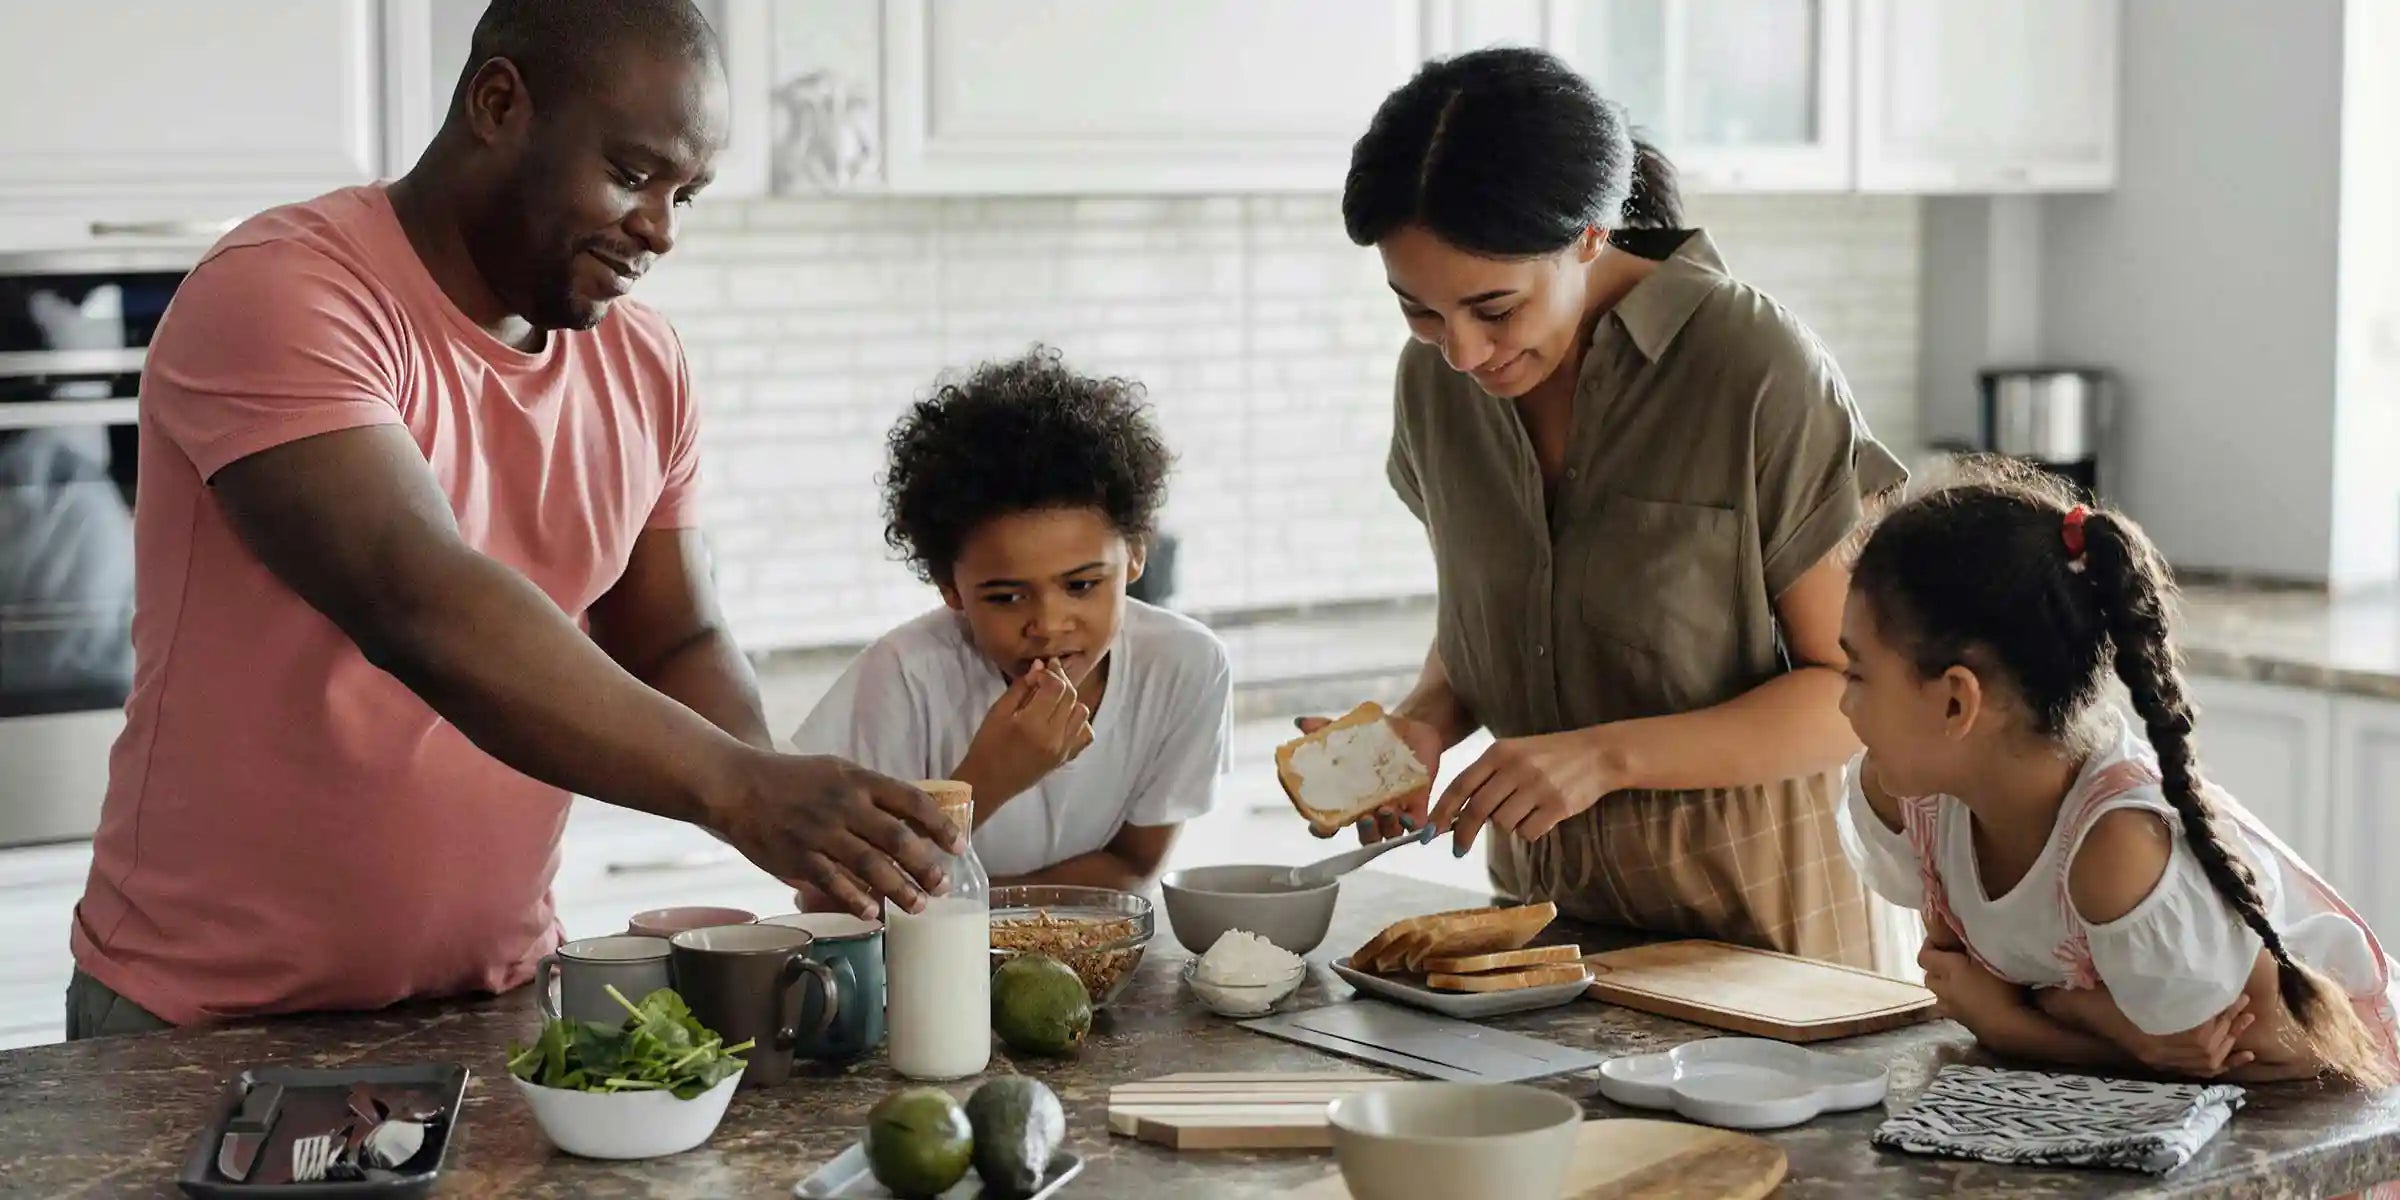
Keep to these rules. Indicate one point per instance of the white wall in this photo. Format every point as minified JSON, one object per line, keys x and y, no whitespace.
{"x":2366,"y":461}
{"x":1266,"y":339}
{"x":2207,"y":279}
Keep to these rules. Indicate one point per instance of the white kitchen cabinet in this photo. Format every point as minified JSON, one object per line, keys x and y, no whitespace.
{"x":167,"y":109}
{"x":1742,"y":95}
{"x":1987,"y":95}
{"x":426,"y":47}
{"x":39,"y":887}
{"x":1083,"y":96}
{"x":2272,"y":748}
{"x":2366,"y":808}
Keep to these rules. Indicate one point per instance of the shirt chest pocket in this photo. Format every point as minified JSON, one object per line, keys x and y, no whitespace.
{"x":1662,"y":579}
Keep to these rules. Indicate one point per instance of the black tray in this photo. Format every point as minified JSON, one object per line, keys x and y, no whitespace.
{"x":314,"y":1101}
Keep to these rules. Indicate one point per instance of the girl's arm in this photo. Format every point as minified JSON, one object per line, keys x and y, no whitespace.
{"x":1128,"y":863}
{"x":2122,"y":860}
{"x":2000,"y":1016}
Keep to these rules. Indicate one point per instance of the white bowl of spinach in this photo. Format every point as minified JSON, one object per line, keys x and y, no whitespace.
{"x":657,"y":1084}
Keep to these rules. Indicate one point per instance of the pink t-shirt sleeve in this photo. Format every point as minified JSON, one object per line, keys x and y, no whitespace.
{"x":678,"y":504}
{"x":269,"y":344}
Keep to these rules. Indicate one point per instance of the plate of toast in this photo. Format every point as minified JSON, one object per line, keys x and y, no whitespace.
{"x":1469,"y":963}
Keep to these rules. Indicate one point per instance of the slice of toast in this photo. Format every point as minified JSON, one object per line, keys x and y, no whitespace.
{"x":1349,"y":768}
{"x":1465,"y":936}
{"x":1384,"y":947}
{"x":1510,"y":981}
{"x":1505,"y":960}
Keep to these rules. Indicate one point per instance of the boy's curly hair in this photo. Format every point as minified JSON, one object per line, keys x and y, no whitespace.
{"x":1019,"y":436}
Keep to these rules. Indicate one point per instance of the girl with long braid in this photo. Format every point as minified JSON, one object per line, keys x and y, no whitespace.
{"x":2089,"y":898}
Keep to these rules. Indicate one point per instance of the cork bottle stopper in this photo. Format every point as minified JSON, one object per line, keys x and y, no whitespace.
{"x":957,"y":800}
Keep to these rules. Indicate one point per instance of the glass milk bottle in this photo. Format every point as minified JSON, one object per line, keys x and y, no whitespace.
{"x":938,"y":963}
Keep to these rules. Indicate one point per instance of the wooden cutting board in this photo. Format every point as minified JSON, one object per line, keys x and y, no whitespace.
{"x":1648,"y":1160}
{"x":1268,"y":1110}
{"x":1757,"y":992}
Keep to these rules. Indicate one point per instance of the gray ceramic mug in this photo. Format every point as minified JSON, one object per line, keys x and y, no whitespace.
{"x":853,"y":948}
{"x":574,"y":982}
{"x":746,"y":983}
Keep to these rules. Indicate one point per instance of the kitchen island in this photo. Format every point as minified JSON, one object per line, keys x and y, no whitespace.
{"x":117,"y":1117}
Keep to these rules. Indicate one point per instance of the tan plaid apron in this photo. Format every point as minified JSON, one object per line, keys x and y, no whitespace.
{"x":1760,"y":866}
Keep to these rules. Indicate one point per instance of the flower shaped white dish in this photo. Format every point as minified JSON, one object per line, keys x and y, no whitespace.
{"x":1743,"y":1083}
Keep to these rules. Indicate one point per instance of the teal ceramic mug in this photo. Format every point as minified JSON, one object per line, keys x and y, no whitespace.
{"x":852,"y":948}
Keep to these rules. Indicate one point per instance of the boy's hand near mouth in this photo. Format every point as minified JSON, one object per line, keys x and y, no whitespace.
{"x":1038,"y":725}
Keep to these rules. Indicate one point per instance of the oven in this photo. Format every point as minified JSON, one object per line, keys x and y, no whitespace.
{"x":74,"y":325}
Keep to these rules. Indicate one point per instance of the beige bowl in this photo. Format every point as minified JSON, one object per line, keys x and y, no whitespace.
{"x":1459,"y":1141}
{"x":1204,"y":902}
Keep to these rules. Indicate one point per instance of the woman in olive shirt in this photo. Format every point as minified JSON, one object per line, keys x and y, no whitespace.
{"x":1635,"y":471}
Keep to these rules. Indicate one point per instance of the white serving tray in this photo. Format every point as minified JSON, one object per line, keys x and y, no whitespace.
{"x":1743,"y":1083}
{"x":848,"y":1177}
{"x":1467,"y":1006}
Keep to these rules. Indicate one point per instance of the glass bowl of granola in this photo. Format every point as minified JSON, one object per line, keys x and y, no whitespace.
{"x":1099,"y":933}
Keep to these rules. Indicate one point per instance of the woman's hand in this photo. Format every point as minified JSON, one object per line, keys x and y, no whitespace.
{"x":1525,"y":786}
{"x":1968,"y":994}
{"x":1408,"y":814}
{"x":2205,"y":1051}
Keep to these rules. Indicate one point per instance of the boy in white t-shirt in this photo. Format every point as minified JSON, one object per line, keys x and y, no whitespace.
{"x":1090,"y":724}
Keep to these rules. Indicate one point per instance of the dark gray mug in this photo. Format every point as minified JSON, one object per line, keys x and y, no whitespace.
{"x":853,"y":948}
{"x":574,"y":982}
{"x":745,"y":982}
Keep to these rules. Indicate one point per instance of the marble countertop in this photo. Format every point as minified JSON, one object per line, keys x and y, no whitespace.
{"x":116,"y":1117}
{"x":2295,"y":637}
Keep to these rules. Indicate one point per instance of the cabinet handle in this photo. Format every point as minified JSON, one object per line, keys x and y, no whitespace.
{"x":680,"y":862}
{"x":161,"y":229}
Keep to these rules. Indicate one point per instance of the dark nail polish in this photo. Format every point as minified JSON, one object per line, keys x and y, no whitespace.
{"x":1458,"y":850}
{"x":1408,"y":825}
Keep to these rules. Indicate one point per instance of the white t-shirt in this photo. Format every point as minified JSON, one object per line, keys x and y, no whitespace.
{"x":2178,"y":958}
{"x":910,"y":705}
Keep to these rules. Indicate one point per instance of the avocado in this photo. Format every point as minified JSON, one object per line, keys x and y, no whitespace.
{"x":1018,"y":1126}
{"x":919,"y":1142}
{"x":1039,"y":1006}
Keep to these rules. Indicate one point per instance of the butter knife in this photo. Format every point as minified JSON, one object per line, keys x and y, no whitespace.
{"x":246,"y":1133}
{"x":1325,"y":871}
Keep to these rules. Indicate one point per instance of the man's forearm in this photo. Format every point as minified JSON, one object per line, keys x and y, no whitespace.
{"x":709,"y":675}
{"x":489,"y":652}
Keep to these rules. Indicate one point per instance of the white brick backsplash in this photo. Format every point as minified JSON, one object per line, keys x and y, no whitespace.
{"x":1266,"y":342}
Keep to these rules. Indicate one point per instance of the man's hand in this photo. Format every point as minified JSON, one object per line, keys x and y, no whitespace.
{"x":1037,"y":726}
{"x":2205,"y":1051}
{"x":1406,"y":815}
{"x":846,"y":832}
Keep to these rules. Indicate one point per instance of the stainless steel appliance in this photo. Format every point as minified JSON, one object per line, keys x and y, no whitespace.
{"x":2058,"y":418}
{"x":74,"y":327}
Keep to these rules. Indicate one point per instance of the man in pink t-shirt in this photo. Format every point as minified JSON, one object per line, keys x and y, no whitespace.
{"x":416,"y":557}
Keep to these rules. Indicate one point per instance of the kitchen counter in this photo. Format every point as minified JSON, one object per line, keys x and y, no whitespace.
{"x":116,"y":1117}
{"x":2295,"y":637}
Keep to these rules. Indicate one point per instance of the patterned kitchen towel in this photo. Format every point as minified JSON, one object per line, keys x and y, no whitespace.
{"x":2060,"y":1120}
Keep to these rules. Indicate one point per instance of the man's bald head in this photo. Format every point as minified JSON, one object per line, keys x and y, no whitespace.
{"x":566,"y":50}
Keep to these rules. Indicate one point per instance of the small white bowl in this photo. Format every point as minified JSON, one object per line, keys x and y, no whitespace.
{"x":1242,"y":999}
{"x":1459,"y":1141}
{"x":626,"y":1124}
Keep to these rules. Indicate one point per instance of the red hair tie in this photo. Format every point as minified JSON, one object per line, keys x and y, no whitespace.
{"x":2072,"y":532}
